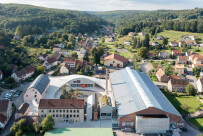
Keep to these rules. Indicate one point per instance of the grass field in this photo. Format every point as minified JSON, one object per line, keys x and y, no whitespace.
{"x":197,"y":122}
{"x":191,"y":101}
{"x":176,"y":35}
{"x":32,"y":51}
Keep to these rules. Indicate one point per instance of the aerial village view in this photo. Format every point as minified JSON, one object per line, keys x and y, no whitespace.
{"x":71,"y":69}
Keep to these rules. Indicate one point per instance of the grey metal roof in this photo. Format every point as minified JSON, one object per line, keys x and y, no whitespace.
{"x":40,"y":83}
{"x":135,"y":91}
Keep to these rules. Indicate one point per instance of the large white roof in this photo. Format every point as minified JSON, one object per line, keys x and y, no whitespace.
{"x":134,"y":91}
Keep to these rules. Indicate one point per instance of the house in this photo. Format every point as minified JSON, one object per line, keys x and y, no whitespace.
{"x":22,"y":111}
{"x":190,"y":43}
{"x":50,"y":62}
{"x":62,"y":45}
{"x":161,"y":75}
{"x":105,"y":107}
{"x":164,"y":55}
{"x":195,"y":58}
{"x":29,"y":120}
{"x":109,"y":39}
{"x":83,"y":50}
{"x":127,"y":42}
{"x":115,"y":60}
{"x":37,"y":89}
{"x":84,"y":64}
{"x":155,"y":43}
{"x":99,"y":73}
{"x":177,"y":84}
{"x":150,"y":55}
{"x":1,"y":75}
{"x":43,"y":57}
{"x":173,"y":44}
{"x":56,"y":54}
{"x":159,"y":37}
{"x":56,"y":49}
{"x":141,"y":33}
{"x":182,"y":60}
{"x":181,"y":43}
{"x":131,"y":34}
{"x":13,"y":68}
{"x":62,"y":110}
{"x":176,"y":53}
{"x":82,"y":43}
{"x":140,"y":104}
{"x":179,"y":68}
{"x":188,"y":53}
{"x":188,"y":37}
{"x":23,"y":74}
{"x":5,"y":112}
{"x":199,"y":84}
{"x":66,"y":69}
{"x":70,"y":61}
{"x":92,"y":108}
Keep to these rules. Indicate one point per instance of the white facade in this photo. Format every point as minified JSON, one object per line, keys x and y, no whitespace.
{"x":8,"y":115}
{"x":18,"y":79}
{"x":90,"y":106}
{"x":199,"y":86}
{"x":82,"y":50}
{"x":151,"y":125}
{"x":1,"y":76}
{"x":64,"y":70}
{"x":48,"y":66}
{"x":106,"y":112}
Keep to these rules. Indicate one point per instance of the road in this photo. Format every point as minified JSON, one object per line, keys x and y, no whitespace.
{"x":191,"y":131}
{"x":191,"y":77}
{"x":17,"y":101}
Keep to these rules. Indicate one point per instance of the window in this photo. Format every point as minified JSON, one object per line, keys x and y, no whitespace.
{"x":53,"y":110}
{"x":78,"y":81}
{"x":113,"y":61}
{"x":64,"y":115}
{"x":74,"y":81}
{"x":56,"y":110}
{"x":60,"y":110}
{"x":42,"y":110}
{"x":64,"y":111}
{"x":56,"y":115}
{"x":60,"y":115}
{"x":35,"y":96}
{"x":77,"y":111}
{"x":70,"y":111}
{"x":26,"y":95}
{"x":131,"y":123}
{"x":67,"y":110}
{"x":45,"y":115}
{"x":49,"y":110}
{"x":123,"y":124}
{"x":74,"y":111}
{"x":42,"y":116}
{"x":77,"y":115}
{"x":74,"y":115}
{"x":70,"y":115}
{"x":53,"y":115}
{"x":35,"y":92}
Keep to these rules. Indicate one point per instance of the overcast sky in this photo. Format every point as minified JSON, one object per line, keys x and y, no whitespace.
{"x":107,"y":5}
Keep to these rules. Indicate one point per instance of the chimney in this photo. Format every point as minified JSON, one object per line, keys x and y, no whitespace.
{"x":95,"y":111}
{"x":107,"y":77}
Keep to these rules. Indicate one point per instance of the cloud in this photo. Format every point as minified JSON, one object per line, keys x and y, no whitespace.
{"x":107,"y":5}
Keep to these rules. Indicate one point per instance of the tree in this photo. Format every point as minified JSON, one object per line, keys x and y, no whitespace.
{"x":36,"y":126}
{"x":100,"y":51}
{"x":165,"y":41}
{"x":168,"y":69}
{"x":103,"y":39}
{"x":18,"y":127}
{"x":96,"y":58}
{"x":40,"y":70}
{"x":50,"y":43}
{"x":142,"y":52}
{"x":190,"y":89}
{"x":73,"y":54}
{"x":63,"y":90}
{"x":86,"y":56}
{"x":146,"y":41}
{"x":65,"y":36}
{"x":71,"y":38}
{"x":47,"y":123}
{"x":93,"y":50}
{"x":196,"y":71}
{"x":9,"y":80}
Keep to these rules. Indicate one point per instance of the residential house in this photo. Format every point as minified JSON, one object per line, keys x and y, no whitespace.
{"x":109,"y":39}
{"x":188,"y":53}
{"x":155,"y":43}
{"x":161,"y":75}
{"x":56,"y":49}
{"x":43,"y":57}
{"x":29,"y":120}
{"x":176,"y":53}
{"x":5,"y":112}
{"x":66,"y":69}
{"x":196,"y":60}
{"x":177,"y":84}
{"x":182,"y":60}
{"x":188,"y":37}
{"x":50,"y":62}
{"x":64,"y":52}
{"x":62,"y":110}
{"x":164,"y":55}
{"x":84,"y":64}
{"x":23,"y":74}
{"x":70,"y":61}
{"x":83,"y":50}
{"x":131,"y":34}
{"x":159,"y":37}
{"x":61,"y":45}
{"x":199,"y":84}
{"x":56,"y":54}
{"x":115,"y":60}
{"x":22,"y":111}
{"x":1,"y":75}
{"x":82,"y":43}
{"x":173,"y":44}
{"x":100,"y":73}
{"x":181,"y":43}
{"x":141,"y":33}
{"x":190,"y":43}
{"x":179,"y":68}
{"x":37,"y":89}
{"x":13,"y":68}
{"x":105,"y":107}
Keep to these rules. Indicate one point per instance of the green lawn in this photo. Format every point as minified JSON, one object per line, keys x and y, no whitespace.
{"x":80,"y":132}
{"x":176,"y":35}
{"x":32,"y":51}
{"x":191,"y":101}
{"x":197,"y":122}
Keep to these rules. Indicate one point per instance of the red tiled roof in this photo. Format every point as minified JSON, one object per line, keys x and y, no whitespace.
{"x":61,"y":104}
{"x":4,"y":105}
{"x":69,"y":60}
{"x":179,"y":82}
{"x":174,"y":77}
{"x":182,"y":57}
{"x":196,"y":56}
{"x":160,"y":72}
{"x":71,"y":70}
{"x":117,"y":57}
{"x":51,"y":60}
{"x":176,"y":51}
{"x":2,"y":118}
{"x":29,"y":69}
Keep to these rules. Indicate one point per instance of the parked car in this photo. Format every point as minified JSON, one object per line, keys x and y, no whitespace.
{"x":127,"y":129}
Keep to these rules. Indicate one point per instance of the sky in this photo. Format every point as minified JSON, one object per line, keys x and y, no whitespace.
{"x":109,"y":5}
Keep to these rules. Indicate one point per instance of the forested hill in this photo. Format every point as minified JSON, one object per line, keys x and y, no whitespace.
{"x":13,"y":15}
{"x":135,"y":20}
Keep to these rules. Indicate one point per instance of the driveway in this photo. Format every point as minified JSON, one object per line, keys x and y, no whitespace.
{"x":145,"y":67}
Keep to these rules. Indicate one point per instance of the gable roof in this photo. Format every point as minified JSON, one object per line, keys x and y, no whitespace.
{"x":182,"y":57}
{"x":160,"y":72}
{"x":136,"y":90}
{"x":29,"y":69}
{"x":2,"y":118}
{"x":117,"y":57}
{"x":13,"y":67}
{"x":51,"y":60}
{"x":176,"y":51}
{"x":69,"y":60}
{"x":40,"y":83}
{"x":4,"y":105}
{"x":61,"y":104}
{"x":179,"y":82}
{"x":56,"y":55}
{"x":23,"y":108}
